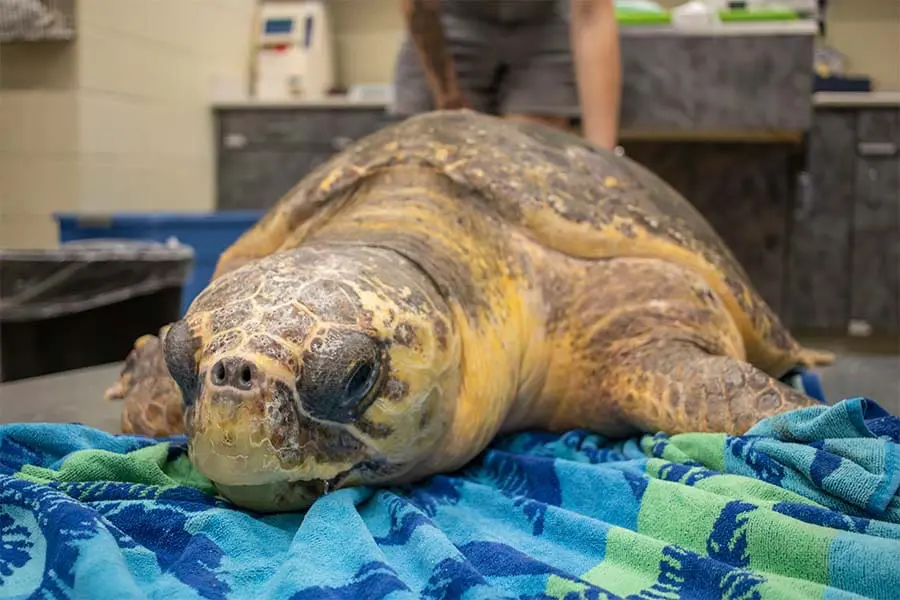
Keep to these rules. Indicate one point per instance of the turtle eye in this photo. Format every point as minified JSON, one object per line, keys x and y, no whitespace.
{"x":179,"y":348}
{"x":340,"y":376}
{"x":361,"y":381}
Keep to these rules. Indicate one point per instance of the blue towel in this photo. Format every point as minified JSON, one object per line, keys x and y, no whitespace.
{"x":806,"y":505}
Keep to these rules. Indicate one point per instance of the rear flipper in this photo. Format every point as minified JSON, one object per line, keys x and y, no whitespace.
{"x":152,"y":399}
{"x":811,"y":357}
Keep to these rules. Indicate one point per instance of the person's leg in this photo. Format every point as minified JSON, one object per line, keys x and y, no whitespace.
{"x":471,"y":44}
{"x":540,"y":81}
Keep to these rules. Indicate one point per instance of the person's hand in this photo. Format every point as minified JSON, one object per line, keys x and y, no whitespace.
{"x":454,"y":101}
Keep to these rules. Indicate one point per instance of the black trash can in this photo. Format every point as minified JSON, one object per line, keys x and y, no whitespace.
{"x":85,"y":303}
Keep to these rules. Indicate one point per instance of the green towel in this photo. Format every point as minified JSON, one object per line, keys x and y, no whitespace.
{"x":156,"y":468}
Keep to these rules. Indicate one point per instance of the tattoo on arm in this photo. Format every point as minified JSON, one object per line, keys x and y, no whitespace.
{"x":427,"y":33}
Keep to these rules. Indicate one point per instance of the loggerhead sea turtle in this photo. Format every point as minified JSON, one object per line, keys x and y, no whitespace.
{"x":443,"y":280}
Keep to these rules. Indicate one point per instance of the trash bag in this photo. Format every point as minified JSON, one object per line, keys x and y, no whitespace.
{"x":85,"y":274}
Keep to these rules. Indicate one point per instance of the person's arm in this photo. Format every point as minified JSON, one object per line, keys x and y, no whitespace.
{"x":598,"y":71}
{"x":423,"y":21}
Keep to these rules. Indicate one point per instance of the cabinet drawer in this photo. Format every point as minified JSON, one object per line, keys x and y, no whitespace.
{"x":257,"y":179}
{"x":875,"y":291}
{"x":818,"y":281}
{"x":818,"y":257}
{"x":246,"y":129}
{"x":877,"y":204}
{"x":842,"y":262}
{"x":831,"y":187}
{"x":878,"y":125}
{"x":298,"y":127}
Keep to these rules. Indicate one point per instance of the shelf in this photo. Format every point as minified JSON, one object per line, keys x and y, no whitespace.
{"x":37,"y":20}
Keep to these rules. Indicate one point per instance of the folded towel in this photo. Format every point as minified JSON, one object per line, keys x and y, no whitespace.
{"x":806,"y":505}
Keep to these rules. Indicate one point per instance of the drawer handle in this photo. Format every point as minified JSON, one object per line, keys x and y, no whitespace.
{"x":805,"y":196}
{"x":877,"y":148}
{"x":341,"y":142}
{"x":235,"y":140}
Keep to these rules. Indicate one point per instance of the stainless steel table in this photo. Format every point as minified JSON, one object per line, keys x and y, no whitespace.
{"x":63,"y":397}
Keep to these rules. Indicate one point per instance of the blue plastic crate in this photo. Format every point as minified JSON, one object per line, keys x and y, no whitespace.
{"x":209,"y":234}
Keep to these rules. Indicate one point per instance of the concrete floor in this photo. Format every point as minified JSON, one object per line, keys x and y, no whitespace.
{"x":78,"y":395}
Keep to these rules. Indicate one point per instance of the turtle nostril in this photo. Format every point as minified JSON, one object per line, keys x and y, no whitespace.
{"x":218,"y":373}
{"x":233,"y":372}
{"x":246,"y":376}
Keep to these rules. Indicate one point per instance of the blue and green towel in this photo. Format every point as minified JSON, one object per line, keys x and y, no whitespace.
{"x":806,"y":505}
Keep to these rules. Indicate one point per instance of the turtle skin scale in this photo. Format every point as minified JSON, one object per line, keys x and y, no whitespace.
{"x":443,"y":280}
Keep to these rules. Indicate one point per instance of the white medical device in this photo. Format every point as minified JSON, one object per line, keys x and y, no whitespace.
{"x":294,"y":53}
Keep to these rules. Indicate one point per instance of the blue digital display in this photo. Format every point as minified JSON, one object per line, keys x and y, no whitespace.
{"x":279,"y":26}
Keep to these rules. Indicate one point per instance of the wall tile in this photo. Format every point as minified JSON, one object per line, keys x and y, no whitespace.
{"x":38,"y":122}
{"x":28,"y":231}
{"x":31,"y":185}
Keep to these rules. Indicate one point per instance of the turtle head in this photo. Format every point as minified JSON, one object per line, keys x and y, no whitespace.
{"x":314,"y":369}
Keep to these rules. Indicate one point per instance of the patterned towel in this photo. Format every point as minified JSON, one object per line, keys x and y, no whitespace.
{"x":804,"y":506}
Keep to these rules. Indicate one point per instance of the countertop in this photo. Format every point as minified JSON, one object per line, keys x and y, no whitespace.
{"x":886,"y":98}
{"x":339,"y":102}
{"x":735,"y":28}
{"x":879,"y":98}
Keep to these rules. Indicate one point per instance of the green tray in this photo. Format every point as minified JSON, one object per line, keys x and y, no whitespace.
{"x":758,"y":15}
{"x":636,"y":18}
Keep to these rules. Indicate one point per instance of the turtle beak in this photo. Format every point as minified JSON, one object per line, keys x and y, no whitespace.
{"x":245,"y":429}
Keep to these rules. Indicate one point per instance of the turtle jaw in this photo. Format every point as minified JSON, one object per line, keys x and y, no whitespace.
{"x":234,"y":447}
{"x":258,"y":448}
{"x":288,"y":496}
{"x":275,"y":497}
{"x":282,"y":495}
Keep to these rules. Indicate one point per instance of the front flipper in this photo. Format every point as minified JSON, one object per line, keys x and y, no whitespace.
{"x":152,"y":399}
{"x":678,"y":387}
{"x":649,"y":346}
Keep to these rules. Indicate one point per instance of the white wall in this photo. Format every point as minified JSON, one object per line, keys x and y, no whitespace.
{"x":118,"y":120}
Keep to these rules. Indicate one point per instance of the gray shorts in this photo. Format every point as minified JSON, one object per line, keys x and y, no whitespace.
{"x":502,"y":69}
